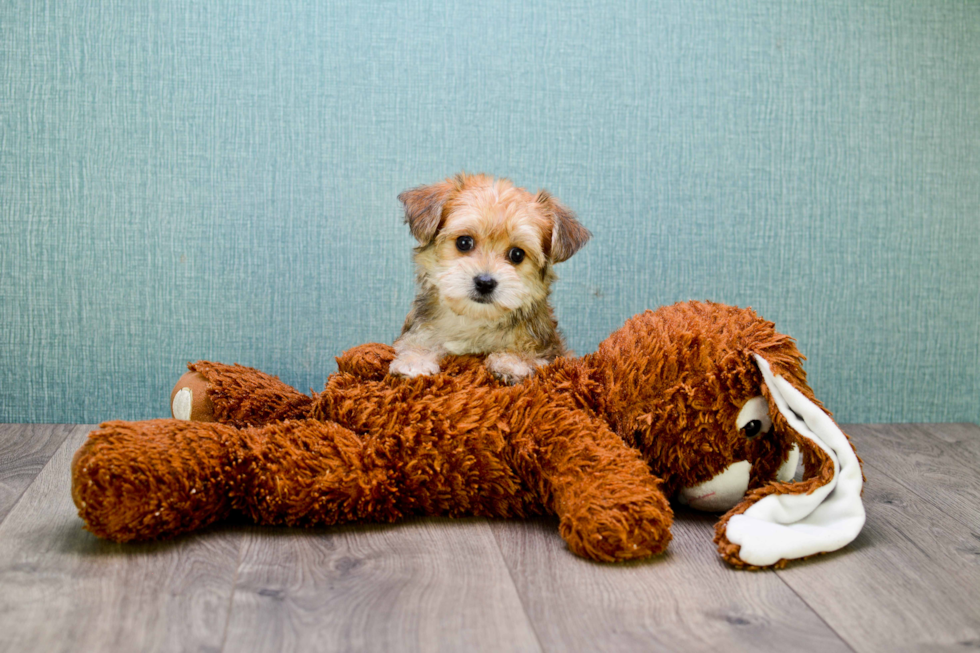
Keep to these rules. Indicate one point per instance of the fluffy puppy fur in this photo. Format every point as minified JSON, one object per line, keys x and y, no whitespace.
{"x":484,"y":265}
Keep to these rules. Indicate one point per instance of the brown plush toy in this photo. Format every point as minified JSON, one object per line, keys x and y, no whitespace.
{"x":701,"y":400}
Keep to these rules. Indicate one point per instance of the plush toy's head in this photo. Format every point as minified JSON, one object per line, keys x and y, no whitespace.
{"x":718,"y":403}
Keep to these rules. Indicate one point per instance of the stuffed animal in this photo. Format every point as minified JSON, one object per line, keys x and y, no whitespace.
{"x":699,"y":400}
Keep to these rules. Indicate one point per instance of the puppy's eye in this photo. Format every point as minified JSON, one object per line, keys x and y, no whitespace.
{"x":464,"y":243}
{"x":515,"y":255}
{"x":752,"y":429}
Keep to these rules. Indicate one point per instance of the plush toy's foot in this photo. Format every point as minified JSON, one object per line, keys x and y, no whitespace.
{"x":155,"y":479}
{"x":236,"y":395}
{"x":189,"y":399}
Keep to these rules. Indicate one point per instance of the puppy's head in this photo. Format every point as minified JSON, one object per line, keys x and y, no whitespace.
{"x":486,"y":246}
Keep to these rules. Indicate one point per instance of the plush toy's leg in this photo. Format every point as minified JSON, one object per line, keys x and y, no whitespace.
{"x":234,"y":394}
{"x":311,"y":473}
{"x":157,"y":479}
{"x":146,"y":480}
{"x":610,"y":505}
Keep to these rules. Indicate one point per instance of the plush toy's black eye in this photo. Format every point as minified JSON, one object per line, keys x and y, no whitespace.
{"x":464,"y":243}
{"x":516,"y":255}
{"x":752,"y":428}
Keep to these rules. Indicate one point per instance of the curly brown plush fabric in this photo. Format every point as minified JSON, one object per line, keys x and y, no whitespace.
{"x":601,"y":441}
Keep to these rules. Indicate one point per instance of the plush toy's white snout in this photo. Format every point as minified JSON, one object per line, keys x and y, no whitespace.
{"x":725,"y":490}
{"x":720,"y":492}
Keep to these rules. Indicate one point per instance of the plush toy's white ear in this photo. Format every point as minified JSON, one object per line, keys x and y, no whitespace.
{"x":801,"y":520}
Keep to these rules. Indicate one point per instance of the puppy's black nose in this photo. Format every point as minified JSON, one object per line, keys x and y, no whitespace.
{"x":484,"y":283}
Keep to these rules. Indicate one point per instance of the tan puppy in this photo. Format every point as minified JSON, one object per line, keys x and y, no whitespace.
{"x":484,"y":265}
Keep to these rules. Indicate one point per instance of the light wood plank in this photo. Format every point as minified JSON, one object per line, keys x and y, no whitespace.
{"x":24,"y":450}
{"x":62,"y":589}
{"x":910,"y":582}
{"x":939,"y":462}
{"x":685,"y":600}
{"x":423,"y":585}
{"x":961,"y":434}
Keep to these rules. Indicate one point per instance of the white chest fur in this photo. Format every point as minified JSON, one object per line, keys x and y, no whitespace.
{"x":461,"y":334}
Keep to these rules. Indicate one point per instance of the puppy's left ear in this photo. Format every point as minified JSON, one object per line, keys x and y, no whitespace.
{"x":423,"y":209}
{"x":567,"y":233}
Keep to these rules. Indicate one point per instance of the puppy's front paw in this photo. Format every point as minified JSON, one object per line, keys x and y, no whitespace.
{"x":512,"y":368}
{"x":413,"y":363}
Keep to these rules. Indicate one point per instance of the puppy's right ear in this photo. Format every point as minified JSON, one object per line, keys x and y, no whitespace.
{"x":423,"y":209}
{"x":567,"y":233}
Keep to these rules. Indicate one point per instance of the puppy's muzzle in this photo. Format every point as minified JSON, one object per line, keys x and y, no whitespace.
{"x":484,"y":285}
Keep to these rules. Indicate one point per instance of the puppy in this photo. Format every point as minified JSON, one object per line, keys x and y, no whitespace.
{"x":484,"y":265}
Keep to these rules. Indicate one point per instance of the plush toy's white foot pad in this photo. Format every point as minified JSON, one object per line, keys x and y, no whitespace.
{"x":181,"y":406}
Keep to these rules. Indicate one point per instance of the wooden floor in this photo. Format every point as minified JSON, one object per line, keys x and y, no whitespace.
{"x":911,"y":581}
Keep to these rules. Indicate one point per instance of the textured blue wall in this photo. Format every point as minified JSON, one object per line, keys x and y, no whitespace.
{"x":217,"y":179}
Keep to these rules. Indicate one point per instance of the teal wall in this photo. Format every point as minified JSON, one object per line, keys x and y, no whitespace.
{"x":218,"y":179}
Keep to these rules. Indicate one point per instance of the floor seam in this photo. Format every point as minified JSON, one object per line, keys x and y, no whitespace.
{"x":231,"y":595}
{"x":816,"y":612}
{"x":517,"y":591}
{"x":54,"y":453}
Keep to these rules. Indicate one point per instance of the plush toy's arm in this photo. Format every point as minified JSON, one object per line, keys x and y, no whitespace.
{"x":236,"y":395}
{"x":610,"y":505}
